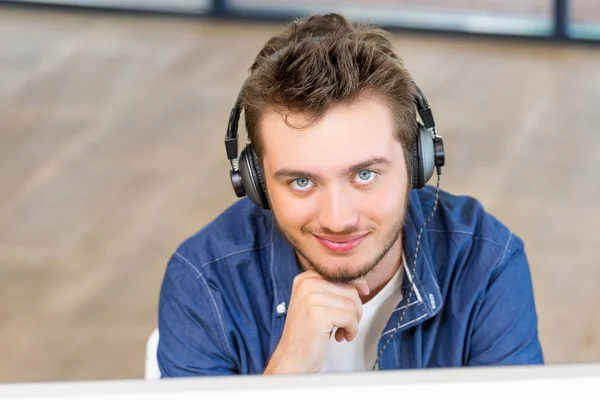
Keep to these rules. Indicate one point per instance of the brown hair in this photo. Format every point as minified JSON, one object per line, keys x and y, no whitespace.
{"x":321,"y":61}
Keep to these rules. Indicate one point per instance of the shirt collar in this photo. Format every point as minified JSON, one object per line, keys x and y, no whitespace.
{"x":426,"y":286}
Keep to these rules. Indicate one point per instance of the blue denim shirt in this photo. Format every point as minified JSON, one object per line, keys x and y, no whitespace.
{"x":223,"y":300}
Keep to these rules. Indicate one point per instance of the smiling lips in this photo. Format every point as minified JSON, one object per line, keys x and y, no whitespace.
{"x":341,"y":244}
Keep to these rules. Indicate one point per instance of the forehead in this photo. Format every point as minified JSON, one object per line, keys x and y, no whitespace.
{"x":345,"y":135}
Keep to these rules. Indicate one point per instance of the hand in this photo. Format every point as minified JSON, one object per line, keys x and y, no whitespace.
{"x":316,"y":308}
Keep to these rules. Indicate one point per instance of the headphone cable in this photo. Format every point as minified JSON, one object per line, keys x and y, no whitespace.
{"x":410,"y":293}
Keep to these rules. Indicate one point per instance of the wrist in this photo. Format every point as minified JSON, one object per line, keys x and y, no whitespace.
{"x":280,"y":364}
{"x":285,"y":361}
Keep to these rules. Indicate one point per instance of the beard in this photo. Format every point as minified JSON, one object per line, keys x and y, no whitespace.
{"x":346,"y":273}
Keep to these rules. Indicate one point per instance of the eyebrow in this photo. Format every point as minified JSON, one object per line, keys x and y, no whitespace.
{"x":294,"y":173}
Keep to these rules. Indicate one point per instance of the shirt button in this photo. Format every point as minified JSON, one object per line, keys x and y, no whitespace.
{"x":281,"y":308}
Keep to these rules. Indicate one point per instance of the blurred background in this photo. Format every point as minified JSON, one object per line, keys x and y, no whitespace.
{"x":112,"y":119}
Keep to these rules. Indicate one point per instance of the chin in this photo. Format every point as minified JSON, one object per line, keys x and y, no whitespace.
{"x":339,"y":268}
{"x":334,"y":266}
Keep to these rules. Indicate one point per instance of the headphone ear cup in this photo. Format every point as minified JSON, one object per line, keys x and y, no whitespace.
{"x":262,"y":183}
{"x":413,"y":163}
{"x":426,"y":156}
{"x":252,"y":177}
{"x":248,"y":175}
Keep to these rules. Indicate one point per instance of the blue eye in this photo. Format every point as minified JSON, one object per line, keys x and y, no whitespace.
{"x":365,"y":176}
{"x":301,"y":184}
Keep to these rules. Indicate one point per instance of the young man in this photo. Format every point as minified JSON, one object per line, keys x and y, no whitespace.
{"x":340,"y":258}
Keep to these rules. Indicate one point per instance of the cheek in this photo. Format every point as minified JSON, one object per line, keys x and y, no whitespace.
{"x":292,"y":212}
{"x":385,"y":203}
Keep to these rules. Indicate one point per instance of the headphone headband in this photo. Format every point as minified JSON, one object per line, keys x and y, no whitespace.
{"x":232,"y":135}
{"x":424,"y":109}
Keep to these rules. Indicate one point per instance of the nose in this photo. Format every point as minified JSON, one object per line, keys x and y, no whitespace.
{"x":337,"y":212}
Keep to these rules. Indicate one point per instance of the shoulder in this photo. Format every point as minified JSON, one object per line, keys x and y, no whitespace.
{"x":482,"y":272}
{"x":464,"y":232}
{"x":462,"y":215}
{"x":236,"y":236}
{"x":240,"y":228}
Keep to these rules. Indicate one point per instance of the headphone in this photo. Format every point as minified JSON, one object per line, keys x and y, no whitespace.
{"x":425,"y":154}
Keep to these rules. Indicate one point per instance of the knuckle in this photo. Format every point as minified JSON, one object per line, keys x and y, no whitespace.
{"x":297,"y":280}
{"x":351,"y":304}
{"x":313,"y":298}
{"x":314,"y":311}
{"x":353,"y":318}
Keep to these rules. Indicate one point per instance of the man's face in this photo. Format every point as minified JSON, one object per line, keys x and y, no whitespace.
{"x":338,"y":188}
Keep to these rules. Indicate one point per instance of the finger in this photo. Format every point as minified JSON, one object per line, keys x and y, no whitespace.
{"x":340,"y":334}
{"x":343,"y":290}
{"x":325,"y":320}
{"x":334,"y":302}
{"x":349,"y":337}
{"x":350,"y":292}
{"x":315,"y":283}
{"x":298,"y":279}
{"x":345,"y":321}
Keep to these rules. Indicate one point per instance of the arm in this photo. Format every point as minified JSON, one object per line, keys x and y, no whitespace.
{"x":192,"y":337}
{"x":506,"y":325}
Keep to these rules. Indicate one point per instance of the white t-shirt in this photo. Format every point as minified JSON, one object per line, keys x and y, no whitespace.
{"x":361,"y":353}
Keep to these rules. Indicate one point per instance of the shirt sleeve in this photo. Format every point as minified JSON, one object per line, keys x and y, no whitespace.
{"x":191,"y":332}
{"x":506,"y":325}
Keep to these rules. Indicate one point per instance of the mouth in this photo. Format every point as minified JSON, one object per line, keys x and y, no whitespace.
{"x":341,"y":244}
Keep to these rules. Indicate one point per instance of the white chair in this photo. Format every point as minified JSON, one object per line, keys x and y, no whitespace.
{"x":151,"y":370}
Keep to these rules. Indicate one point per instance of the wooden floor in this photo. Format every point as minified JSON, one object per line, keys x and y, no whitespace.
{"x":111,"y":153}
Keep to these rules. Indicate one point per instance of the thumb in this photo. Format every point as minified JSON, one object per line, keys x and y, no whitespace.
{"x":362,"y":286}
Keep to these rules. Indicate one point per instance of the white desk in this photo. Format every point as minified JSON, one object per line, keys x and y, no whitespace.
{"x":507,"y":383}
